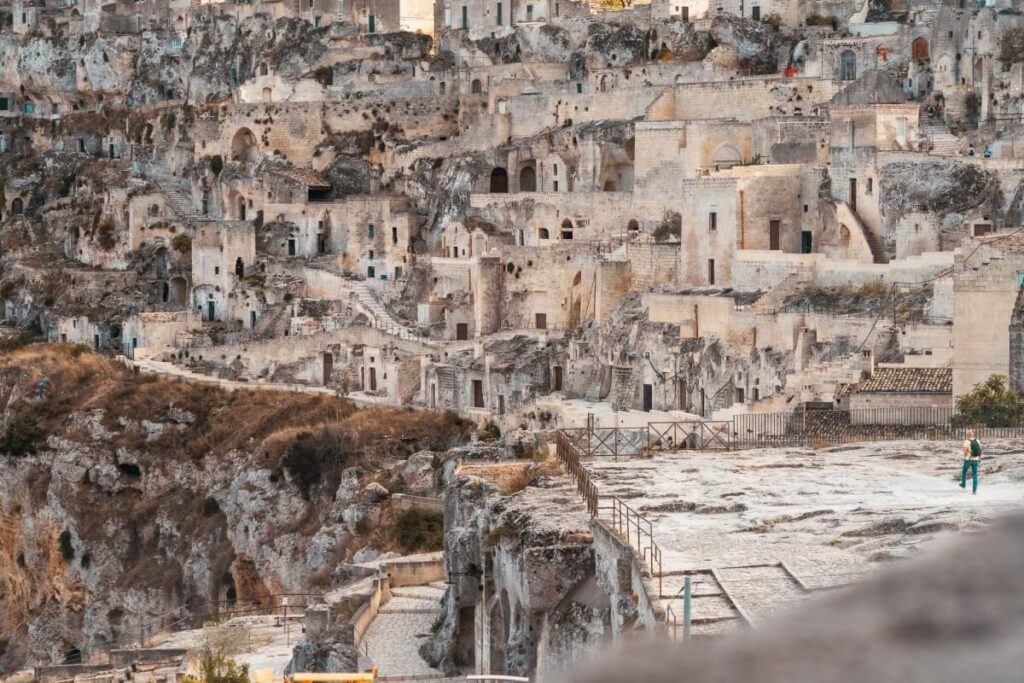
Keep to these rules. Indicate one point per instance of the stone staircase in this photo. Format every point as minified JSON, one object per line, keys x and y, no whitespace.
{"x":368,"y":304}
{"x":179,"y":202}
{"x":878,"y":252}
{"x":772,"y":300}
{"x":944,"y":143}
{"x":275,"y":321}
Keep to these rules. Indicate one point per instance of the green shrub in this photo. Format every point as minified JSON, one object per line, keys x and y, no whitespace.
{"x":773,"y":20}
{"x":990,"y":404}
{"x":489,"y":432}
{"x":23,"y":434}
{"x":13,"y":342}
{"x":418,"y":530}
{"x":671,"y":225}
{"x":182,"y":243}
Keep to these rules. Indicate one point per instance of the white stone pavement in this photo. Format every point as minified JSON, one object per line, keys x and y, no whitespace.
{"x":393,"y":639}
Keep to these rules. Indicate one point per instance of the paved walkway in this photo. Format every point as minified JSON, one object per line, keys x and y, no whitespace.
{"x":393,"y":639}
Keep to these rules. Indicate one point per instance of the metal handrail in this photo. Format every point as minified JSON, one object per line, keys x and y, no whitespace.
{"x":636,"y":530}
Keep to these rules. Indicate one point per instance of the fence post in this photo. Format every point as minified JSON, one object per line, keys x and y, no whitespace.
{"x":686,"y":608}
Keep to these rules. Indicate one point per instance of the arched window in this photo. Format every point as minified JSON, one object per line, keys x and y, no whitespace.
{"x":919,"y":49}
{"x":633,"y":226}
{"x":154,"y":210}
{"x":476,"y":87}
{"x":566,"y":229}
{"x":239,"y":267}
{"x":543,"y":234}
{"x":16,"y":206}
{"x":263,"y":69}
{"x":527,"y":179}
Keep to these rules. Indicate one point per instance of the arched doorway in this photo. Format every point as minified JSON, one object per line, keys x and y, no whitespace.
{"x":919,"y":49}
{"x":848,"y":66}
{"x":527,"y":179}
{"x":243,"y":145}
{"x":239,"y":267}
{"x":726,"y":156}
{"x":499,"y":181}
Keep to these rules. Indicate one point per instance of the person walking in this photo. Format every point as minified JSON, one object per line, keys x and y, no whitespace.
{"x":972,"y":456}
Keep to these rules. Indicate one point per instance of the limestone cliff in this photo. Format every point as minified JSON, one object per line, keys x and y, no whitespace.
{"x":125,"y":497}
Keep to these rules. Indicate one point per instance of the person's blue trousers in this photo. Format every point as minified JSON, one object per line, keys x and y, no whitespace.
{"x":973,"y":464}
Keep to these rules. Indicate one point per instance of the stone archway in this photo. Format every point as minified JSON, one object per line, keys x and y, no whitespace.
{"x":527,"y":179}
{"x":499,"y":181}
{"x":919,"y":49}
{"x":243,"y":145}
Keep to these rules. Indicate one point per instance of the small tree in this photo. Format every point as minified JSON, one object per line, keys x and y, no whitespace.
{"x":212,"y":661}
{"x":1011,"y":47}
{"x":671,"y":225}
{"x":991,"y":403}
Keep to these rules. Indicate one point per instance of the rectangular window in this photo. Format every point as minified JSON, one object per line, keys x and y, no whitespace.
{"x":316,"y":22}
{"x":755,"y":13}
{"x":579,"y":88}
{"x":555,"y":166}
{"x":394,"y":235}
{"x":542,"y":321}
{"x":370,"y":231}
{"x":686,"y":14}
{"x":711,"y":271}
{"x":556,"y":186}
{"x":448,"y":16}
{"x":5,"y":104}
{"x":478,"y":393}
{"x":465,"y":17}
{"x":372,"y":24}
{"x":529,"y":12}
{"x":871,"y":185}
{"x":499,"y":14}
{"x":713,"y":221}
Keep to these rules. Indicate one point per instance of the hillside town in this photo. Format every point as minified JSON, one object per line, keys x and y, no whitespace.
{"x":604,"y":228}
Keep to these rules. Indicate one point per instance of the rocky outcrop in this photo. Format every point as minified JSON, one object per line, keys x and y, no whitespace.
{"x":520,"y":562}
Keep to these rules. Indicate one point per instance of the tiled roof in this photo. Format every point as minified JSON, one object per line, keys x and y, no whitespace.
{"x":1012,"y":242}
{"x":909,"y":381}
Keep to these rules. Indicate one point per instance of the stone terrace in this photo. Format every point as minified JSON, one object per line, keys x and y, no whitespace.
{"x":757,"y":530}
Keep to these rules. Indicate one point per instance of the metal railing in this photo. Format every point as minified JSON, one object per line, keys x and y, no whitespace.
{"x":635,"y":529}
{"x":569,"y":455}
{"x":189,"y":617}
{"x":809,"y":427}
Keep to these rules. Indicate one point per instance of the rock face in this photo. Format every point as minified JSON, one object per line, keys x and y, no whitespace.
{"x":523,"y":565}
{"x":122,"y":499}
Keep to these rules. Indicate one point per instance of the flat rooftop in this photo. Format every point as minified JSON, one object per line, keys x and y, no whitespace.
{"x":759,"y":529}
